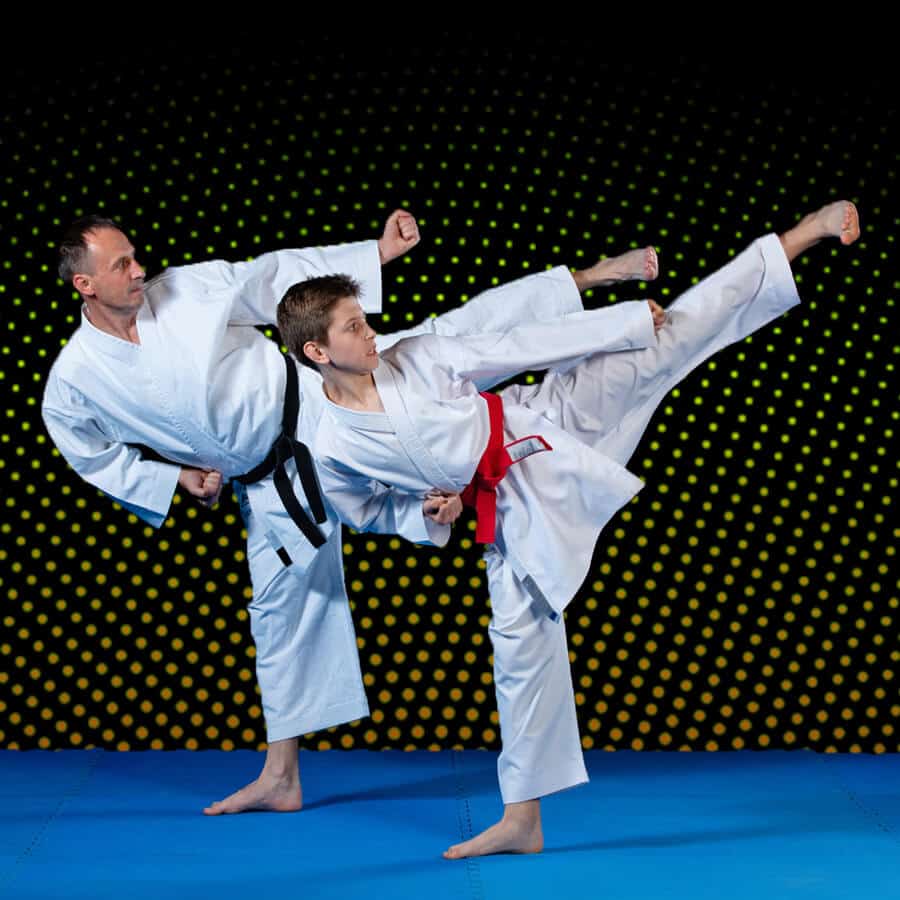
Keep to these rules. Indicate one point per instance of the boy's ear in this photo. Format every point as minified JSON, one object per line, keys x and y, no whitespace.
{"x":314,"y":351}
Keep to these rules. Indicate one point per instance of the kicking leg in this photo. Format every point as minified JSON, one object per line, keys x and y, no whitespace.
{"x":541,"y":297}
{"x":607,"y":400}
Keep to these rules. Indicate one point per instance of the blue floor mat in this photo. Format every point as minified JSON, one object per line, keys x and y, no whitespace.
{"x":92,"y":824}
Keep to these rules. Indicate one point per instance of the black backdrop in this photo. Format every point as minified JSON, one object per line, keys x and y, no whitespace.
{"x":747,"y":598}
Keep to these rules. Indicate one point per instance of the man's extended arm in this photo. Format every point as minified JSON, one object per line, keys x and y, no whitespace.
{"x":254,"y":288}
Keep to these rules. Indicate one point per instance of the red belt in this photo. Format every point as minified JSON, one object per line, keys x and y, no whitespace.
{"x":481,"y":492}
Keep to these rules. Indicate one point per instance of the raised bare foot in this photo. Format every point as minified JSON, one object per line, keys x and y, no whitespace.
{"x":514,"y":833}
{"x":635,"y":265}
{"x":839,"y":219}
{"x":266,"y":794}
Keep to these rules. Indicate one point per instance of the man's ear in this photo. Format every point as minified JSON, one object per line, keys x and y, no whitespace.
{"x":82,"y":284}
{"x":316,"y":353}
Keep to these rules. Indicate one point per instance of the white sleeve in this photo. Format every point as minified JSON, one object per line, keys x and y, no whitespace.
{"x":142,"y":486}
{"x":256,"y":287}
{"x":369,"y":505}
{"x":541,"y":297}
{"x":487,"y":359}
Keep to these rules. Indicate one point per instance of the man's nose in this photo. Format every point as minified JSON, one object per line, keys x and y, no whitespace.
{"x":137,"y":270}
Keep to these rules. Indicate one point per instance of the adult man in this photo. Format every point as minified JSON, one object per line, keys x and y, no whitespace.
{"x":176,"y":365}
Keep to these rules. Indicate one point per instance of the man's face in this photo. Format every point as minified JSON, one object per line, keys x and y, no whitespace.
{"x":115,"y":279}
{"x":351,"y":342}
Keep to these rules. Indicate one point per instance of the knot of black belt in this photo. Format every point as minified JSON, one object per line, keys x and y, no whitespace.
{"x":285,"y":447}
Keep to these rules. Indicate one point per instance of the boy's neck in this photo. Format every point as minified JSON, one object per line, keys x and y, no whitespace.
{"x":352,"y":390}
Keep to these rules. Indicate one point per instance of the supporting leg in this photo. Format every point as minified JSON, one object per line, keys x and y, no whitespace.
{"x":541,"y":751}
{"x":307,"y":665}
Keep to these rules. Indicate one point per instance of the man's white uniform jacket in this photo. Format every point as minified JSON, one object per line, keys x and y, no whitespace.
{"x":204,"y":388}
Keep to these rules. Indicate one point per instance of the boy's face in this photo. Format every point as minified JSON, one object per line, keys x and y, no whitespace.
{"x":351,"y":342}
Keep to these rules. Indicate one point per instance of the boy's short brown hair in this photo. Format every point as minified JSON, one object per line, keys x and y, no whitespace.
{"x":304,"y":312}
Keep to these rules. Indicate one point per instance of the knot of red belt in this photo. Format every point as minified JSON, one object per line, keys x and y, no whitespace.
{"x":481,"y":492}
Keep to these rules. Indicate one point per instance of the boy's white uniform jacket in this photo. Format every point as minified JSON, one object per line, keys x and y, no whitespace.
{"x":551,"y":505}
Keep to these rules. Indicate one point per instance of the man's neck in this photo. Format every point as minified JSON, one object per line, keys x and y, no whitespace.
{"x":120,"y":325}
{"x":352,"y":390}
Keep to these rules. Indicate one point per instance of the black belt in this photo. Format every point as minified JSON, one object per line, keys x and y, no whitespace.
{"x":285,"y":447}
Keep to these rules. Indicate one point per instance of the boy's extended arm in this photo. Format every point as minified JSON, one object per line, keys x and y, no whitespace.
{"x":487,"y":359}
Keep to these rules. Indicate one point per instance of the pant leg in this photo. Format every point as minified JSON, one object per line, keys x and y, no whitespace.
{"x":307,"y":660}
{"x":541,"y":750}
{"x":540,"y":297}
{"x":607,"y":400}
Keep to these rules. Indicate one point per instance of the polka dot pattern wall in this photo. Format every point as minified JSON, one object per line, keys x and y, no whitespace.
{"x":747,"y":598}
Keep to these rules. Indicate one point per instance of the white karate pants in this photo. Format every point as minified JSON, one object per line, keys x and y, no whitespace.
{"x":307,"y":660}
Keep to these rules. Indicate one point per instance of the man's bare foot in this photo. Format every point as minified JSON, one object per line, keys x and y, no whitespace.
{"x":839,"y":219}
{"x":635,"y":265}
{"x":519,"y":831}
{"x":266,"y":794}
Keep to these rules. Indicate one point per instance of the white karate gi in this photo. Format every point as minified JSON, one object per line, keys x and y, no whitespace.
{"x":551,"y":505}
{"x":204,"y":388}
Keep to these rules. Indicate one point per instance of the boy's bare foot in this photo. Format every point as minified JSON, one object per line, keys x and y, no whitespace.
{"x":276,"y":790}
{"x":839,"y":219}
{"x":635,"y":265}
{"x":266,"y":794}
{"x":519,"y":831}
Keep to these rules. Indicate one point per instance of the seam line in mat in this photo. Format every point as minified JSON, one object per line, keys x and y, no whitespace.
{"x":7,"y":878}
{"x":867,"y":811}
{"x":466,"y":832}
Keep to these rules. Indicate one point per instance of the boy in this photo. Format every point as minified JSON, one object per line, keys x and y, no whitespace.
{"x":543,"y":464}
